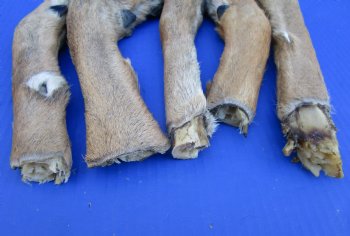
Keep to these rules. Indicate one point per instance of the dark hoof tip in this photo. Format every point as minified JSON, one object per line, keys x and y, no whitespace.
{"x":155,"y":11}
{"x":61,"y":10}
{"x":43,"y":89}
{"x":221,"y":10}
{"x":128,"y":18}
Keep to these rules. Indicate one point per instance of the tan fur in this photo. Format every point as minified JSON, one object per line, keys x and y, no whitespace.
{"x":39,"y":133}
{"x":299,"y":73}
{"x":303,"y":101}
{"x":183,"y":92}
{"x":246,"y":32}
{"x":119,"y":125}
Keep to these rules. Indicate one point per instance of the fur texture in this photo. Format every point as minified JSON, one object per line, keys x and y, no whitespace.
{"x":247,"y":35}
{"x":303,"y":101}
{"x":40,"y":97}
{"x":299,"y":73}
{"x":119,"y":125}
{"x":184,"y":96}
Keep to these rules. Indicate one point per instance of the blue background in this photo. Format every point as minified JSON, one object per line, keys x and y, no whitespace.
{"x":238,"y":186}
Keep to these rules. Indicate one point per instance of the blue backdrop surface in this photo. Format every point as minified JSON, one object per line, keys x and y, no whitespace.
{"x":238,"y":186}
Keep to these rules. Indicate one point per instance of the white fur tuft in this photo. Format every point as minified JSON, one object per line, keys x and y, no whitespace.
{"x":211,"y":124}
{"x":59,"y":2}
{"x":49,"y":80}
{"x":286,"y":36}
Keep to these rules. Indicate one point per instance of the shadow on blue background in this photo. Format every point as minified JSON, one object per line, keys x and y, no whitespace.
{"x":238,"y":186}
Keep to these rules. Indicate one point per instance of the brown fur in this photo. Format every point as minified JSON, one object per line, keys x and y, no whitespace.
{"x":299,"y":74}
{"x":246,"y":32}
{"x":39,"y":132}
{"x":184,"y":97}
{"x":303,"y":101}
{"x":119,"y":125}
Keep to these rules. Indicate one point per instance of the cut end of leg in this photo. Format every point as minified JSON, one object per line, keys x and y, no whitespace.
{"x":108,"y":160}
{"x":53,"y":169}
{"x":232,"y":115}
{"x":323,"y":156}
{"x":128,"y":154}
{"x":312,"y":135}
{"x":189,"y":139}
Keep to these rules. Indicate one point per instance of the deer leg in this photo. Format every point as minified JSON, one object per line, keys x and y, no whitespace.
{"x":40,"y":144}
{"x":118,"y":123}
{"x":246,"y":31}
{"x":188,"y":121}
{"x":303,"y":101}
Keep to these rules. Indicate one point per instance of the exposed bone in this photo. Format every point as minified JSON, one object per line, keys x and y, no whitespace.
{"x":311,"y":133}
{"x":40,"y":145}
{"x":53,"y":169}
{"x":233,"y":94}
{"x":185,"y":100}
{"x":119,"y":125}
{"x":190,"y":139}
{"x":303,"y":102}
